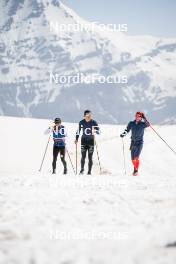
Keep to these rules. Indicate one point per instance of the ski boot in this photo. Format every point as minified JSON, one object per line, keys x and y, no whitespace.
{"x":135,"y":172}
{"x":54,"y":171}
{"x":81,"y":172}
{"x":65,"y":171}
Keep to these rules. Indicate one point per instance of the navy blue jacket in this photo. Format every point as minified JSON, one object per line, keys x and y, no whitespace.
{"x":137,"y":130}
{"x":87,"y":129}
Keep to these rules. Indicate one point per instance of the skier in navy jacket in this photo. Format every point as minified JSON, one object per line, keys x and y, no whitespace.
{"x":137,"y":128}
{"x":89,"y":127}
{"x":59,"y":135}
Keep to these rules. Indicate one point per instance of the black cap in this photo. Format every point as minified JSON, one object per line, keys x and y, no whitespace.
{"x":57,"y":120}
{"x":87,"y":112}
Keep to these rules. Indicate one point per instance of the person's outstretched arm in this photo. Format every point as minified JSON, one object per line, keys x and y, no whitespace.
{"x":126,"y":131}
{"x":49,"y":130}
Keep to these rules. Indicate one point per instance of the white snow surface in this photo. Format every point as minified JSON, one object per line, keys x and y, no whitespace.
{"x":109,"y":218}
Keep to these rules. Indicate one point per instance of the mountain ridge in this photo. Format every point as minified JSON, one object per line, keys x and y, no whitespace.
{"x":30,"y":51}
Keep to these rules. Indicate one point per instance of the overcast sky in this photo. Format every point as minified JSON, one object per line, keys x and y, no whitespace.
{"x":151,"y":17}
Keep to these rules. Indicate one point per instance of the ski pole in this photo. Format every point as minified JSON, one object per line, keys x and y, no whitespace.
{"x":44,"y":153}
{"x":98,"y":156}
{"x":124,"y":161}
{"x":163,"y":140}
{"x":70,"y":161}
{"x":76,"y":159}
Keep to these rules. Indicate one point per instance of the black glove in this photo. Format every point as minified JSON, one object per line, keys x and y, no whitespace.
{"x":145,"y":119}
{"x":143,"y":116}
{"x":121,"y":135}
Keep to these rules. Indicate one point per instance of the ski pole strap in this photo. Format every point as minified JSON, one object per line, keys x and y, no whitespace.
{"x":163,"y":140}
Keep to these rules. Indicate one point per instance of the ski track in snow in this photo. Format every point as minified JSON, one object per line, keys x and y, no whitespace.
{"x":41,"y":214}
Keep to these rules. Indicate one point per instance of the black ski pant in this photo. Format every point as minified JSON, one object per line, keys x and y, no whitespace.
{"x":87,"y":146}
{"x":136,"y":148}
{"x":56,"y":151}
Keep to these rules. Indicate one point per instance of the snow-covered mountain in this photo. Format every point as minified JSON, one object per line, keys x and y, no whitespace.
{"x":30,"y":51}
